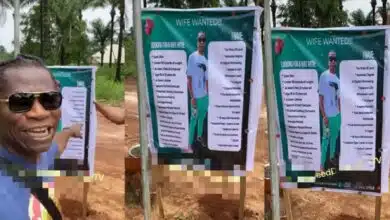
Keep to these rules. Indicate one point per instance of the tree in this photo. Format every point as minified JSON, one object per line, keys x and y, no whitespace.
{"x":44,"y":27}
{"x":312,"y":13}
{"x":67,"y":42}
{"x":120,"y":39}
{"x":384,"y":12}
{"x":328,"y":14}
{"x":114,"y":4}
{"x":170,"y":3}
{"x":358,"y":18}
{"x":2,"y":49}
{"x":296,"y":13}
{"x":4,"y":55}
{"x":101,"y":34}
{"x":373,"y":6}
{"x":233,"y":3}
{"x":9,"y":4}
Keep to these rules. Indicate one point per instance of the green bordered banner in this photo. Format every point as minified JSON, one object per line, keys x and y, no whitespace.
{"x":331,"y":89}
{"x":203,"y":75}
{"x":78,"y":90}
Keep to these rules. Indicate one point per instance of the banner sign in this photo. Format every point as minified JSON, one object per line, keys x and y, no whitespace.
{"x":78,"y":91}
{"x":330,"y":96}
{"x":204,"y":75}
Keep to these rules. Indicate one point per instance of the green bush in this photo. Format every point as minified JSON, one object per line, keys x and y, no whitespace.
{"x":107,"y":90}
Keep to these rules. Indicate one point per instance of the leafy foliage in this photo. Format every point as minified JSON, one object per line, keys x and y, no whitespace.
{"x":312,"y":13}
{"x":101,"y":34}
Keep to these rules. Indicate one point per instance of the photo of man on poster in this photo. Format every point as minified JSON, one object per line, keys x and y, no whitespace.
{"x":197,"y":76}
{"x":329,"y":93}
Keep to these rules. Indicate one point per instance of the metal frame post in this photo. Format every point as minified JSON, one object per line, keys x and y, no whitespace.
{"x":141,"y":108}
{"x":16,"y":27}
{"x":271,"y":112}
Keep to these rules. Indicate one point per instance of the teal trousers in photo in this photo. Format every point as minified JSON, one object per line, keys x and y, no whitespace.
{"x":197,"y":117}
{"x":329,"y":137}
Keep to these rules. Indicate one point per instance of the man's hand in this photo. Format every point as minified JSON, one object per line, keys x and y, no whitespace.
{"x":193,"y":102}
{"x":76,"y":130}
{"x":62,"y":138}
{"x":326,"y":121}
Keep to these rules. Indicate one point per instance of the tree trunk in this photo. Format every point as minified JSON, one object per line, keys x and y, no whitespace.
{"x":373,"y":16}
{"x":122,"y":27}
{"x":46,"y":30}
{"x":112,"y":32}
{"x":273,"y":8}
{"x":41,"y":26}
{"x":101,"y":58}
{"x":62,"y":54}
{"x":384,"y":12}
{"x":16,"y":27}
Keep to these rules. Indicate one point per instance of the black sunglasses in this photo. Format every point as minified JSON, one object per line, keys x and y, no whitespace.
{"x":23,"y":102}
{"x":332,"y":59}
{"x":201,"y":39}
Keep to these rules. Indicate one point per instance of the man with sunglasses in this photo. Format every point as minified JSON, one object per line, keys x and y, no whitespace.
{"x":329,"y":92}
{"x":30,"y":104}
{"x":197,"y":76}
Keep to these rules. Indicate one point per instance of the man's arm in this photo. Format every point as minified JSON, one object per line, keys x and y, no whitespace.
{"x":189,"y":80}
{"x":189,"y":84}
{"x":207,"y":78}
{"x":322,"y":110}
{"x":62,"y":138}
{"x":339,"y":104}
{"x":114,"y":114}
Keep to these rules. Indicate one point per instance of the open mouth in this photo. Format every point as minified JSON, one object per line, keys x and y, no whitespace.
{"x":39,"y":133}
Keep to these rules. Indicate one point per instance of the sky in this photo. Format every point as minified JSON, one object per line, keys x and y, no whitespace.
{"x":103,"y":13}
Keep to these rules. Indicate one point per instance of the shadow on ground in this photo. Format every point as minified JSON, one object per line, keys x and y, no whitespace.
{"x":73,"y":209}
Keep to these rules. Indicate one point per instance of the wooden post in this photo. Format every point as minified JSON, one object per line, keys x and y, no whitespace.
{"x":271,"y":112}
{"x":86,"y":186}
{"x":241,"y":213}
{"x":160,"y":201}
{"x":267,"y":193}
{"x":141,"y":85}
{"x":287,"y":204}
{"x":284,"y":194}
{"x":378,"y":206}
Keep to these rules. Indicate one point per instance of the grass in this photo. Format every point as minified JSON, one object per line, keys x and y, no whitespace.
{"x":107,"y":90}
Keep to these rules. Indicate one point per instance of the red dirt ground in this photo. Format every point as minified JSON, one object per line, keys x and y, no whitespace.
{"x":182,"y":202}
{"x":105,"y":197}
{"x":185,"y":201}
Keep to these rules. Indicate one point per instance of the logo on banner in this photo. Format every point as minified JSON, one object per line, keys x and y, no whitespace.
{"x":149,"y":25}
{"x":279,"y":44}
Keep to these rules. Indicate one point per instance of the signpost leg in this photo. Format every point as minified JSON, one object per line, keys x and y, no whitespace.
{"x":141,"y":108}
{"x":159,"y":200}
{"x":86,"y":186}
{"x":378,"y":207}
{"x":271,"y":112}
{"x":287,"y":203}
{"x":242,"y":197}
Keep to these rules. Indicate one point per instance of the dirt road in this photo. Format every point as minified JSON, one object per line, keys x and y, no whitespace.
{"x":106,"y":194}
{"x":185,"y":200}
